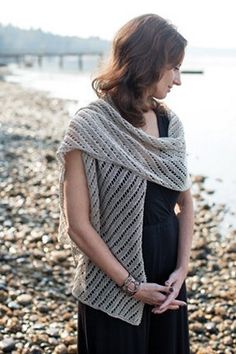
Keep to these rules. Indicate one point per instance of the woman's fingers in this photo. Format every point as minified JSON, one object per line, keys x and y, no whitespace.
{"x":179,"y":302}
{"x":165,"y":305}
{"x":172,"y":296}
{"x":168,"y":301}
{"x":158,"y":298}
{"x":174,"y":305}
{"x":162,"y":288}
{"x":156,"y":309}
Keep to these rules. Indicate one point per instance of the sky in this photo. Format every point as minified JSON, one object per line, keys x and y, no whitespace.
{"x":205,"y":23}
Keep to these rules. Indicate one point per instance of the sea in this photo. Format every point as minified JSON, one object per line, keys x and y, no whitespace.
{"x":205,"y":102}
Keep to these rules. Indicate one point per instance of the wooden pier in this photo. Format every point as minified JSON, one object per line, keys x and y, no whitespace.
{"x":28,"y":58}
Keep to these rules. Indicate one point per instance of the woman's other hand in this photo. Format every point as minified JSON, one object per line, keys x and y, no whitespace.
{"x":174,"y":305}
{"x":174,"y":282}
{"x":152,"y":293}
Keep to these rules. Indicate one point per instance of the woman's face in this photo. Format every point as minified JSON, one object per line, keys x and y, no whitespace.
{"x":169,"y":78}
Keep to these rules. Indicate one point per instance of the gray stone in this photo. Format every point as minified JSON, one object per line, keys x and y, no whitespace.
{"x":42,"y":307}
{"x":7,"y":345}
{"x":38,"y":326}
{"x":53,"y":332}
{"x":211,"y":327}
{"x":13,"y":305}
{"x":24,"y":299}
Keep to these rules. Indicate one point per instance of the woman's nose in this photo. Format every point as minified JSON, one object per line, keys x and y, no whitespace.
{"x":177,"y":79}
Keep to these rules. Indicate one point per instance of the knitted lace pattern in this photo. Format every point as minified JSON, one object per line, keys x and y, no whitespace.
{"x":118,"y":160}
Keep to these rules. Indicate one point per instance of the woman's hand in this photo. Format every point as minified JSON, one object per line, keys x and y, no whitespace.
{"x":174,"y":282}
{"x":174,"y":305}
{"x":155,"y":294}
{"x":152,"y":293}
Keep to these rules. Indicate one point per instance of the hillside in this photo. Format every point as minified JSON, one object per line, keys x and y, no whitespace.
{"x":36,"y":41}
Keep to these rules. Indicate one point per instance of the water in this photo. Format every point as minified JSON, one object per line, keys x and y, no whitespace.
{"x":205,"y":103}
{"x":68,"y":83}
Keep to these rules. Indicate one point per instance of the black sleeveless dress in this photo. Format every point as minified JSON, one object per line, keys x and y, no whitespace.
{"x":167,"y":333}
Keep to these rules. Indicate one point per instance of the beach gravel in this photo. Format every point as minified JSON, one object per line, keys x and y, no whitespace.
{"x":37,"y":311}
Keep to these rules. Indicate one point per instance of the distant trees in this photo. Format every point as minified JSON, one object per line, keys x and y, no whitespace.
{"x":14,"y":40}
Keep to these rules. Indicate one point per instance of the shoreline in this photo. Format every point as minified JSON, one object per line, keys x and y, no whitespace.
{"x":35,"y":267}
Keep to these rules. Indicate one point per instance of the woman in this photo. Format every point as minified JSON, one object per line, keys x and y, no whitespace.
{"x":123,"y":173}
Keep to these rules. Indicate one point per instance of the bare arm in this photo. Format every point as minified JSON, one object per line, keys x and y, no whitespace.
{"x":79,"y":227}
{"x":186,"y":223}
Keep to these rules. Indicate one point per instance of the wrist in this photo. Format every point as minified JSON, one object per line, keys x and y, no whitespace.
{"x":183,"y":269}
{"x":122,"y":277}
{"x":131,"y":285}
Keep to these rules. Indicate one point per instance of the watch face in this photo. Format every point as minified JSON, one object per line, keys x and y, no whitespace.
{"x":133,"y":286}
{"x":130,"y":286}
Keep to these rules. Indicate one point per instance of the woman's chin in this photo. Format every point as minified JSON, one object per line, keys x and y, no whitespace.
{"x":160,"y":96}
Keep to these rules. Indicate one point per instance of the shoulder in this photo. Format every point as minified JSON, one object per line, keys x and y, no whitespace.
{"x":95,"y":109}
{"x":95,"y":106}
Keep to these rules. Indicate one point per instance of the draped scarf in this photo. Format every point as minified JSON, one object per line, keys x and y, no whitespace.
{"x":118,"y":160}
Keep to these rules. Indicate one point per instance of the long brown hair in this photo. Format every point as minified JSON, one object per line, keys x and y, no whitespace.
{"x":142,"y":49}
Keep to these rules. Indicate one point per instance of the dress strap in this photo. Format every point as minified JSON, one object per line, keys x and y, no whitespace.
{"x":163,"y":124}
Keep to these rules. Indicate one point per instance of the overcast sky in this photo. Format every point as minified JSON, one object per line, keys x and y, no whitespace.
{"x":205,"y":23}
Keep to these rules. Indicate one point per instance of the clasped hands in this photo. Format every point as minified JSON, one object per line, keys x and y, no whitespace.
{"x":163,"y":297}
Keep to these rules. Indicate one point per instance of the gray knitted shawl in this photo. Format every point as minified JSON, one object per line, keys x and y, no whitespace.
{"x":118,"y":158}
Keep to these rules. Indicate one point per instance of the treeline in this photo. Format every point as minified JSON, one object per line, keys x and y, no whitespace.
{"x":14,"y":40}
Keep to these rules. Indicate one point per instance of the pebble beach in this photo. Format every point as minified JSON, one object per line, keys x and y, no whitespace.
{"x":37,"y":311}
